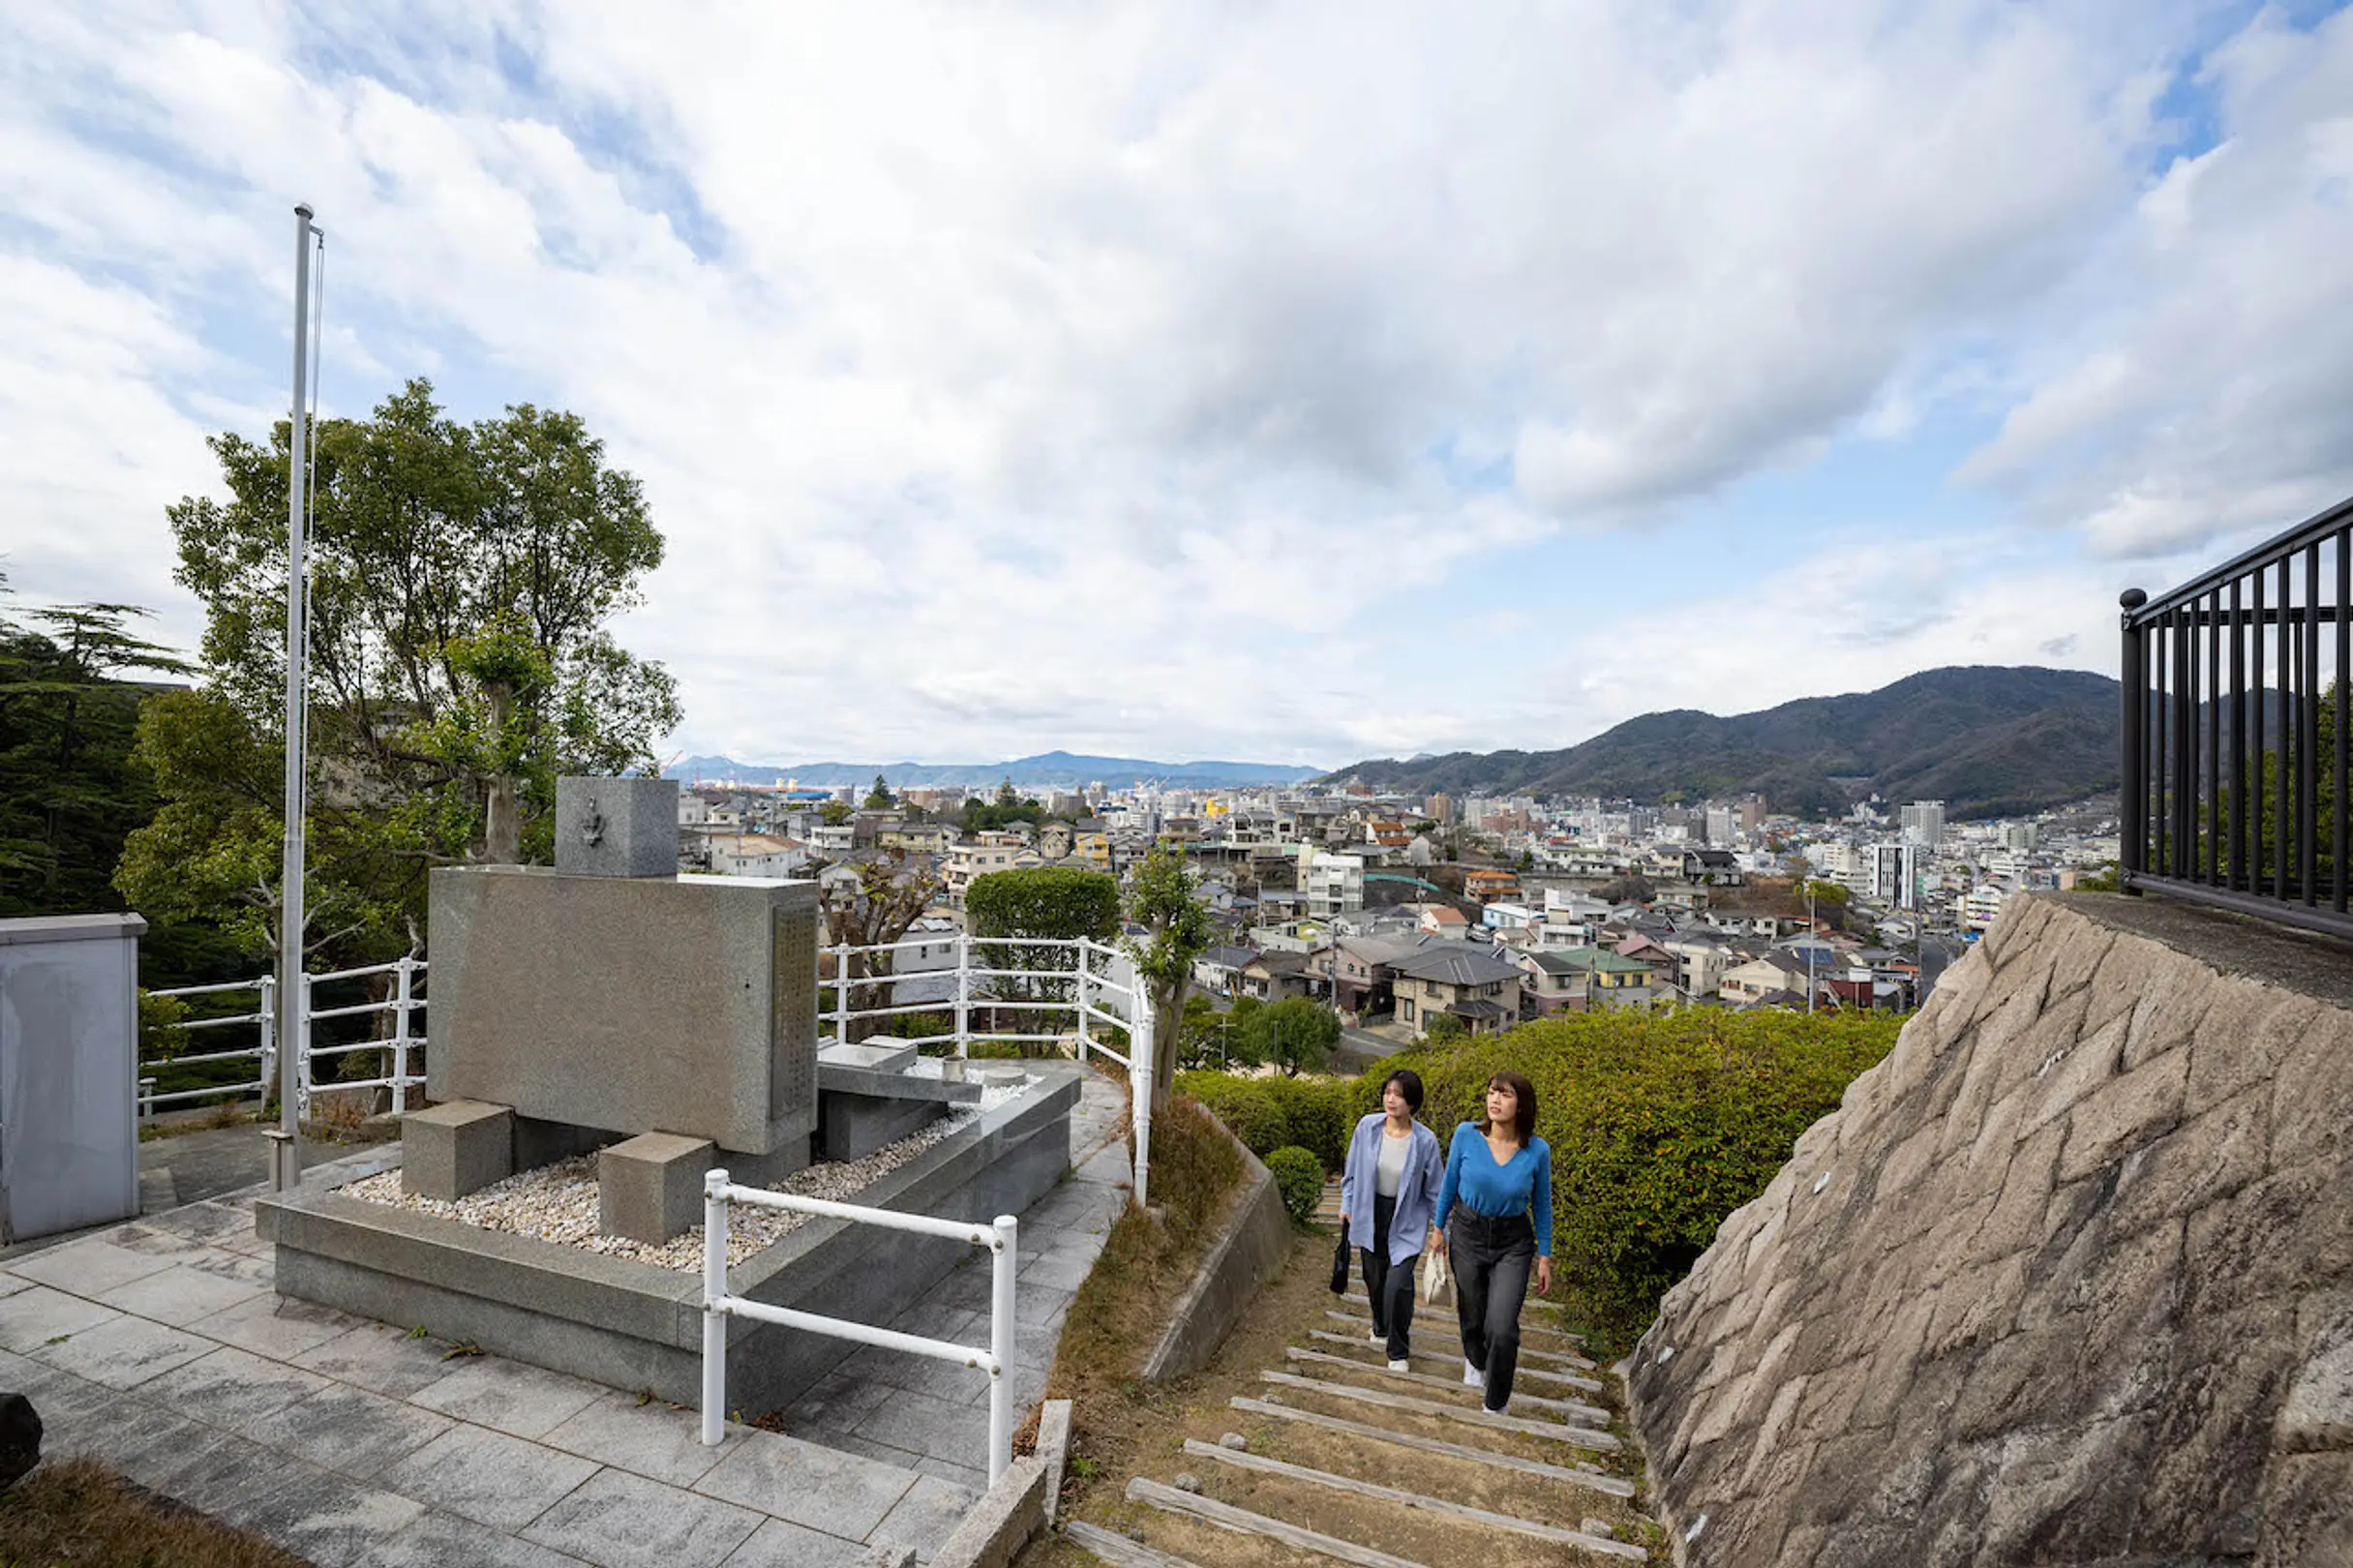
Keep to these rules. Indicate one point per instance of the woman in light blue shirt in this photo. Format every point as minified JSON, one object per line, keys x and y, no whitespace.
{"x":1494,"y":1215}
{"x":1387,"y":1191}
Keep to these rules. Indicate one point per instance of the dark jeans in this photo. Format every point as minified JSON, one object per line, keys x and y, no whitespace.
{"x":1492,"y":1259}
{"x":1388,"y":1286}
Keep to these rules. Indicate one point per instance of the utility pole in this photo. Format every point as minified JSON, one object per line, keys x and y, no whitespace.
{"x":285,"y":1145}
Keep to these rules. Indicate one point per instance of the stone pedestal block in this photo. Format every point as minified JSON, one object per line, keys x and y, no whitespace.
{"x":874,"y":1055}
{"x":650,"y":1187}
{"x":456,"y":1148}
{"x":617,"y":826}
{"x":681,"y":1003}
{"x":855,"y":1126}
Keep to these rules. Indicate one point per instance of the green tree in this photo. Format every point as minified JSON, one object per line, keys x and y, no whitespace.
{"x":1297,"y":1035}
{"x":1163,"y":898}
{"x":888,"y":894}
{"x":1444,"y":1029}
{"x":1046,"y":903}
{"x":833,"y":813}
{"x":880,"y":798}
{"x":462,"y":579}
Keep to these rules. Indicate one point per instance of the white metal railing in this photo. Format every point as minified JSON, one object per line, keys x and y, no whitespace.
{"x":1087,"y":991}
{"x":997,"y":1360}
{"x":403,"y":1039}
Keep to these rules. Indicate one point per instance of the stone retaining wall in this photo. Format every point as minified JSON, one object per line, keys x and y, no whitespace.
{"x":2066,"y":1278}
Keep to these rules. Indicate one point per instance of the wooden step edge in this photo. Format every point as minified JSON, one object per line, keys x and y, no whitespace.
{"x":1541,"y":1374}
{"x":1244,"y":1460}
{"x":1454,"y":1331}
{"x":1119,"y":1551}
{"x":1244,"y":1522}
{"x":1451,"y":1385}
{"x":1574,"y":1437}
{"x":1525,"y":1329}
{"x":1608,"y":1484}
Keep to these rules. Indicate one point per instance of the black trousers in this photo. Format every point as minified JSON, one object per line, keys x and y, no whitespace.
{"x":1492,"y":1260}
{"x":1388,"y":1286}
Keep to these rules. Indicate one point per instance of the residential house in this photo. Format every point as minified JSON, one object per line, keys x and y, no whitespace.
{"x":1275,"y":977}
{"x":1554,"y":982}
{"x":1616,"y":981}
{"x":1444,"y":920}
{"x":1487,"y":886}
{"x":966,"y":861}
{"x":1219,"y":969}
{"x":1454,"y":978}
{"x":1750,"y":983}
{"x":756,"y":855}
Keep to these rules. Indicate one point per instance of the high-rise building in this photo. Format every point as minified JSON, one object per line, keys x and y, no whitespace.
{"x":1895,"y":874}
{"x":1924,"y":823}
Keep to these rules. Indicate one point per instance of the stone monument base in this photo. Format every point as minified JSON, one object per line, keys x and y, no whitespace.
{"x":633,"y":1326}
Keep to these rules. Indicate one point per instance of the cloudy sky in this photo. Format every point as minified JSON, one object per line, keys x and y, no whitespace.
{"x":1291,"y":382}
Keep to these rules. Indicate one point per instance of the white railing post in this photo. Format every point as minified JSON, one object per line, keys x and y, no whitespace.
{"x":1086,"y":983}
{"x":963,"y":993}
{"x":302,"y":1053}
{"x":1001,"y":1346}
{"x":842,"y":993}
{"x":400,"y":1035}
{"x":146,"y":1101}
{"x":714,"y":1293}
{"x":268,"y":1011}
{"x":1140,"y":1090}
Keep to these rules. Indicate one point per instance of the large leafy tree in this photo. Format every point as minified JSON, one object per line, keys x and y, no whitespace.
{"x":462,"y":579}
{"x":1046,"y":903}
{"x":1165,"y":900}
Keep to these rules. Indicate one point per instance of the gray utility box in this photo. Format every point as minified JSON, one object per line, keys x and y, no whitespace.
{"x":68,"y":1073}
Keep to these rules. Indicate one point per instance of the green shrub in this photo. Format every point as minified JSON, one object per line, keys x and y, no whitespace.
{"x":1267,"y":1114}
{"x":1300,"y":1176}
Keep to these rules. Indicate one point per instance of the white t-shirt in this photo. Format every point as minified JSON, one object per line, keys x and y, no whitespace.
{"x":1390,"y":1170}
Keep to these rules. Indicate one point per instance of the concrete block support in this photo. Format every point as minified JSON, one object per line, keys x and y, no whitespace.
{"x":650,"y":1187}
{"x":617,"y":826}
{"x":455,"y":1148}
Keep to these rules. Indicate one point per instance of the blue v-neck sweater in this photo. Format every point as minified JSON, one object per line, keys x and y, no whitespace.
{"x":1520,"y":1185}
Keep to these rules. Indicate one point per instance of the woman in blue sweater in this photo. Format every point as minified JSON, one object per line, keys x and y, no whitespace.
{"x":1386,"y":1190}
{"x":1498,"y":1197}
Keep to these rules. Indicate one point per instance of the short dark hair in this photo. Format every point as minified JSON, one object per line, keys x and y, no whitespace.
{"x":1524,"y":1114}
{"x":1408,"y":1083}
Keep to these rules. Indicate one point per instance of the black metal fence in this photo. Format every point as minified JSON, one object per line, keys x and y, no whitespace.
{"x":2234,"y":729}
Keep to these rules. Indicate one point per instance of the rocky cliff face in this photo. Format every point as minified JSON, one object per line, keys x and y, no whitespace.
{"x":2067,"y":1278}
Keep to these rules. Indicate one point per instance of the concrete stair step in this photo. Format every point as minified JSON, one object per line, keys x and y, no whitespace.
{"x":1444,"y":1324}
{"x":1449,"y":1385}
{"x":1574,"y":1437}
{"x":1455,"y":1361}
{"x":1356,"y":1298}
{"x":1241,"y":1521}
{"x":1242,"y":1459}
{"x":1608,"y":1485}
{"x":1119,"y":1551}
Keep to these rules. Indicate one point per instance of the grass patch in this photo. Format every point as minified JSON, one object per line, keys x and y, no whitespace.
{"x":80,"y":1512}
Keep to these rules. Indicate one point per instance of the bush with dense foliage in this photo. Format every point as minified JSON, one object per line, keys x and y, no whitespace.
{"x":1660,"y":1123}
{"x":1300,"y":1176}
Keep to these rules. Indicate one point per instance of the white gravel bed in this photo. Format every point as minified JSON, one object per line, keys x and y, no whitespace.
{"x":558,"y":1203}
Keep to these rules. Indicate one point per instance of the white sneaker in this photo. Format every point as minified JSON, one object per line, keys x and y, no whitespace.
{"x":1472,"y":1377}
{"x":1377,"y":1336}
{"x":1400,"y":1365}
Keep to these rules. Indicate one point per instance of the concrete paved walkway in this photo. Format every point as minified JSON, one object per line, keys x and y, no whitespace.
{"x":162,"y":1347}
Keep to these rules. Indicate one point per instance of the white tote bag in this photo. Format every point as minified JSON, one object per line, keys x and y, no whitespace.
{"x":1433,"y":1275}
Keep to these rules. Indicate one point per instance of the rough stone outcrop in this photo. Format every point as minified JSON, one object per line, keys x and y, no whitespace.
{"x":2066,"y":1278}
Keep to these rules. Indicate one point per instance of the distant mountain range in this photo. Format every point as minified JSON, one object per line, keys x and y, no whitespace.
{"x":1987,"y":741}
{"x":1047,"y":769}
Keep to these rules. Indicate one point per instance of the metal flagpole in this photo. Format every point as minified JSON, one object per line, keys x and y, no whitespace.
{"x":286,"y":1147}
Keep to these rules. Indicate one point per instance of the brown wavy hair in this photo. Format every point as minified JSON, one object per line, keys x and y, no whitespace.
{"x":1523,"y":1119}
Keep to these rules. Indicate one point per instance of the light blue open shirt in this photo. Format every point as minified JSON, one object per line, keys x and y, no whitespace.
{"x":1417,"y":1188}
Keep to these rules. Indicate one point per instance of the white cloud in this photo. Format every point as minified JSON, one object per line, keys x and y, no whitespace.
{"x":1183,"y":380}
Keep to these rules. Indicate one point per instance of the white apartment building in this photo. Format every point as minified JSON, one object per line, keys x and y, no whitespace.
{"x":965,"y":861}
{"x":1333,"y":884}
{"x":1895,"y":875}
{"x":1924,"y":823}
{"x":756,"y":855}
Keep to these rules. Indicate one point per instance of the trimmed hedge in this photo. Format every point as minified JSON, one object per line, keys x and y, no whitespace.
{"x":1300,"y":1176}
{"x":1661,"y":1125}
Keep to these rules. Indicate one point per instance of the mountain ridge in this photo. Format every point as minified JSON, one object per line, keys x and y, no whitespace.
{"x":1988,"y":740}
{"x":1047,"y":767}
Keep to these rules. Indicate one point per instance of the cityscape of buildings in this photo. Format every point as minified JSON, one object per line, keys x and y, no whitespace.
{"x":1489,"y":909}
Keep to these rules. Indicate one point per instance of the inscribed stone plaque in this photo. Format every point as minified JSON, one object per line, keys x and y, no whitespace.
{"x":683,"y":1004}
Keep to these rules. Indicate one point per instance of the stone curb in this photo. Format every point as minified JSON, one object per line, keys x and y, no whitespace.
{"x":1256,"y":1243}
{"x":1001,"y":1524}
{"x":1053,"y":1453}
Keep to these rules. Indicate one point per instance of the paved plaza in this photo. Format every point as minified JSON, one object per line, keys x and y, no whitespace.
{"x":162,"y":1347}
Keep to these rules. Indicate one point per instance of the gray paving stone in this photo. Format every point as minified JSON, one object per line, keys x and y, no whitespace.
{"x":959,"y":1324}
{"x":488,"y":1476}
{"x":923,"y":1425}
{"x":31,"y":1318}
{"x":207,"y":1469}
{"x":1060,"y":1273}
{"x":276,"y":1326}
{"x":1041,"y":1305}
{"x":350,"y":1431}
{"x":967,"y":1289}
{"x":182,"y":1293}
{"x":835,"y":1402}
{"x":621,"y":1520}
{"x":124,"y":1352}
{"x":648,"y":1438}
{"x":918,"y":1375}
{"x":79,"y":1416}
{"x":439,"y":1540}
{"x":926,"y":1517}
{"x":11,"y":1284}
{"x":843,"y":1495}
{"x":974,"y":1481}
{"x":212,"y":1223}
{"x":781,"y":1544}
{"x":233,"y":1388}
{"x":374,"y":1356}
{"x":528,"y":1402}
{"x":325,"y":1519}
{"x":101,"y":1262}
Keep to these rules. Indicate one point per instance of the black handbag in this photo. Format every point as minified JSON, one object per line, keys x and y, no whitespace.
{"x":1340,"y":1260}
